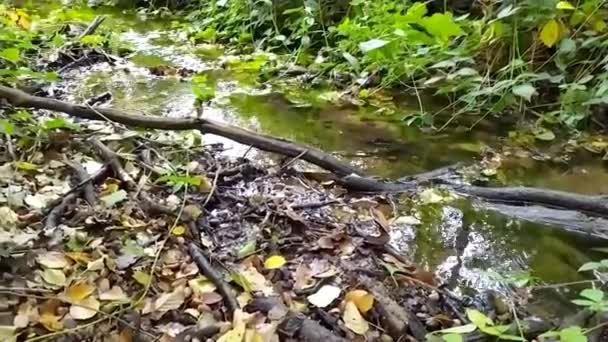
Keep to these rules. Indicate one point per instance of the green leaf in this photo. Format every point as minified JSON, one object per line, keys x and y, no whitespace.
{"x":565,"y":5}
{"x":241,"y":281}
{"x":93,"y":40}
{"x":115,"y":197}
{"x":572,"y":334}
{"x":544,"y":134}
{"x":202,"y":89}
{"x":25,"y":166}
{"x":567,"y":46}
{"x":463,"y":329}
{"x":525,"y":91}
{"x":372,"y":44}
{"x":590,"y":266}
{"x":452,"y":338}
{"x":247,"y":250}
{"x":11,"y":54}
{"x":478,"y":318}
{"x":441,"y":26}
{"x":583,"y":302}
{"x":549,"y":34}
{"x":593,"y":294}
{"x":58,"y":123}
{"x":7,"y":127}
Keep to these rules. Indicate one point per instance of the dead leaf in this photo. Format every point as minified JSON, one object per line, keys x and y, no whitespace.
{"x":170,"y":301}
{"x":201,"y":285}
{"x":77,"y":292}
{"x":324,"y":296}
{"x":257,"y":281}
{"x":142,"y":277}
{"x":54,"y":277}
{"x":362,"y":299}
{"x":353,"y":319}
{"x":79,"y":257}
{"x":303,"y":277}
{"x":211,"y":298}
{"x":96,"y":265}
{"x":51,"y":322}
{"x":237,"y":333}
{"x":53,"y":260}
{"x":8,"y":333}
{"x":85,"y":309}
{"x":115,"y":294}
{"x":26,"y":314}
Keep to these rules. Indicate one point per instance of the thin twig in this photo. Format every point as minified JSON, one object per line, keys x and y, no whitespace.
{"x":213,"y":187}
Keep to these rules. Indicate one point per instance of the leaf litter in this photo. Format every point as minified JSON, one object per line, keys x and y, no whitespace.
{"x":288,"y":250}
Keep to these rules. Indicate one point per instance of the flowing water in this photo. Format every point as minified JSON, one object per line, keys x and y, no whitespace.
{"x":465,"y":242}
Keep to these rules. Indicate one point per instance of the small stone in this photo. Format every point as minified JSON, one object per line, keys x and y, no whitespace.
{"x":434,"y":296}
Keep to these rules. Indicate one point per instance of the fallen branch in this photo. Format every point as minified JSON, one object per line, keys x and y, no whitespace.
{"x":87,"y":191}
{"x":19,"y":98}
{"x":347,"y":175}
{"x":92,"y":26}
{"x":205,"y":267}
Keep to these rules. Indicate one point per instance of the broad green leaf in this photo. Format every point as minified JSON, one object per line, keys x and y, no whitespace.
{"x":93,"y":40}
{"x":7,"y":127}
{"x":478,"y":318}
{"x":417,"y":10}
{"x":54,"y":277}
{"x":590,"y":266}
{"x":567,"y":46}
{"x":549,"y":34}
{"x":452,"y":338}
{"x":11,"y":54}
{"x":372,"y":44}
{"x":525,"y":91}
{"x":572,"y":334}
{"x":441,"y":26}
{"x":463,"y":329}
{"x":565,"y":5}
{"x":593,"y":294}
{"x":544,"y":134}
{"x":583,"y":302}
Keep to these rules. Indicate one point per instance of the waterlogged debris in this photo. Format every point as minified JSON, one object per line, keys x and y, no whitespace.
{"x":353,"y":319}
{"x":325,"y":296}
{"x":275,"y":261}
{"x":432,"y":196}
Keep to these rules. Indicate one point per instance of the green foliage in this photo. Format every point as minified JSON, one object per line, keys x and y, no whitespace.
{"x":544,"y":58}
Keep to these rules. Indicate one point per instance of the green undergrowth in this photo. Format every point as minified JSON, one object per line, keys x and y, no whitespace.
{"x":542,"y":60}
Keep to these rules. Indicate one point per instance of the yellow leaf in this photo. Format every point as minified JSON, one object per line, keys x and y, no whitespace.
{"x":77,"y":292}
{"x":550,"y":33}
{"x":275,"y":261}
{"x":179,"y":230}
{"x":79,"y":257}
{"x":51,"y":322}
{"x":85,"y":309}
{"x":362,"y":299}
{"x":8,"y":333}
{"x":142,"y":277}
{"x":565,"y":5}
{"x":598,"y":25}
{"x":353,"y":319}
{"x":252,"y":336}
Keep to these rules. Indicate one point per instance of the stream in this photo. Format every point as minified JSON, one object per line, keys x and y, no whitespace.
{"x":469,"y":246}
